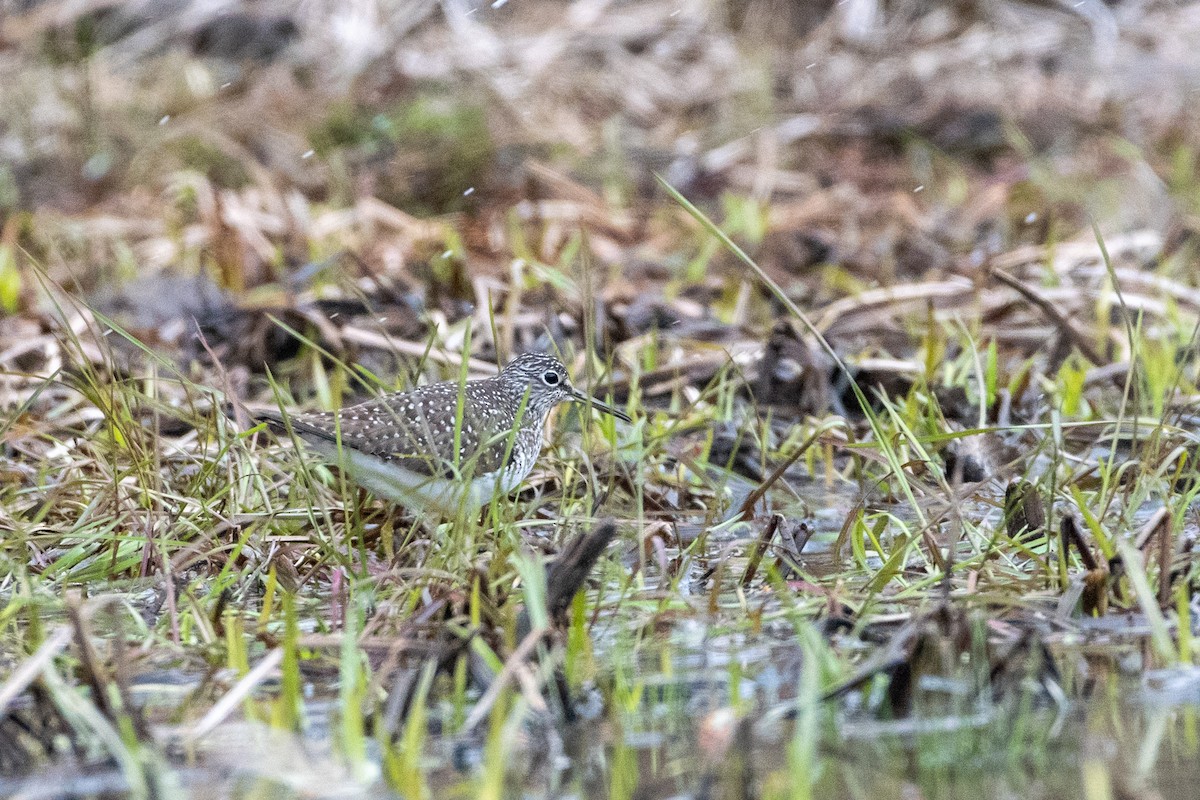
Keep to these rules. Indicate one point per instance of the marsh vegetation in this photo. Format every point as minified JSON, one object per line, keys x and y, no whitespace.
{"x":902,"y":300}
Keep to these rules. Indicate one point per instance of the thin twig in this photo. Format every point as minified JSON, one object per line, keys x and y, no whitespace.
{"x":31,"y":667}
{"x":230,"y":700}
{"x":489,"y":698}
{"x":1053,"y":314}
{"x":760,"y":548}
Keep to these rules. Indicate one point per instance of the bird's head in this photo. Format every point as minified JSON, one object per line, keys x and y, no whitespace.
{"x":545,"y":379}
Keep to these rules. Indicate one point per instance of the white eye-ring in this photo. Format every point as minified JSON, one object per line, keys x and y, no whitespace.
{"x":551,"y":378}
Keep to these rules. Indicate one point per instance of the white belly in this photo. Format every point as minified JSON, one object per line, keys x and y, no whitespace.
{"x":419,"y":492}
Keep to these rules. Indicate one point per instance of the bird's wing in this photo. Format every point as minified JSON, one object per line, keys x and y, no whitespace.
{"x":409,"y":434}
{"x":397,"y":431}
{"x":374,"y":439}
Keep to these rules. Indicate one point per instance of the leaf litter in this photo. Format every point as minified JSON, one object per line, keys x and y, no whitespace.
{"x":951,"y":554}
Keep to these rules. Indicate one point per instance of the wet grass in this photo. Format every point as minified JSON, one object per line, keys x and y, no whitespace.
{"x":929,"y":635}
{"x":877,"y":530}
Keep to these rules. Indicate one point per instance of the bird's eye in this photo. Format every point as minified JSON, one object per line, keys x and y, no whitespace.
{"x":550,"y":378}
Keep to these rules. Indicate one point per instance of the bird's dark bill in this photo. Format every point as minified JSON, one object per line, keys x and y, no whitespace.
{"x":601,"y":406}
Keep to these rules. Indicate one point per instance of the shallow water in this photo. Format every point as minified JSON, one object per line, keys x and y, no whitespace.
{"x":706,"y":715}
{"x":717,"y":690}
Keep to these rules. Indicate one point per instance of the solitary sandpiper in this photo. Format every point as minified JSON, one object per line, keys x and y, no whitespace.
{"x":448,"y":445}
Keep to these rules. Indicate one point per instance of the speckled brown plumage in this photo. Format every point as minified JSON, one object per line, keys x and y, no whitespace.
{"x":409,"y":437}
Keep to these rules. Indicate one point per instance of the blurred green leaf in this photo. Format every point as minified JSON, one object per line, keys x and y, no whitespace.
{"x":10,"y":280}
